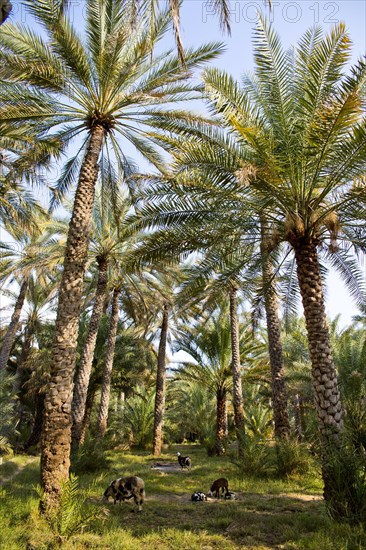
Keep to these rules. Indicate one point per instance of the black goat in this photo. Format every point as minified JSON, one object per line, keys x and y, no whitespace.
{"x":184,"y":461}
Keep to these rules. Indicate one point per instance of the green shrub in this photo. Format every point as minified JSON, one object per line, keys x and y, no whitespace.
{"x":139,"y":419}
{"x":344,"y":471}
{"x":256,"y":459}
{"x":90,"y":457}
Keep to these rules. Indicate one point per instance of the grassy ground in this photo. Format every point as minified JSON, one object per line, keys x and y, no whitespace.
{"x":269,"y":514}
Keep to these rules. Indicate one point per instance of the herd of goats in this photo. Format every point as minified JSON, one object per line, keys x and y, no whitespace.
{"x":125,"y":488}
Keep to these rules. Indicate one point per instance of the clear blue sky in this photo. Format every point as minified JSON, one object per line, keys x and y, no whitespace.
{"x":290,"y":19}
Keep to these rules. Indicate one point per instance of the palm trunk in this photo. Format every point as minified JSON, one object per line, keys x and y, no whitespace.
{"x":160,"y":386}
{"x":83,"y":375}
{"x":324,"y":375}
{"x":279,"y":393}
{"x":22,"y":375}
{"x":89,"y":403}
{"x":107,"y":373}
{"x":35,"y":435}
{"x":13,"y":326}
{"x":236,"y":370}
{"x":56,"y":436}
{"x":220,"y":421}
{"x":297,"y":417}
{"x":21,"y":372}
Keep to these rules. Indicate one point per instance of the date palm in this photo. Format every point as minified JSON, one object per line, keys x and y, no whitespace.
{"x":209,"y":343}
{"x":303,"y":121}
{"x":102,"y":88}
{"x":21,"y":257}
{"x":209,"y":346}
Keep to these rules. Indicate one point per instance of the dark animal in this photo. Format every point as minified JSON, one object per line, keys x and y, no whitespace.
{"x":222,"y":484}
{"x":198,"y":497}
{"x":125,"y":488}
{"x":230,"y":495}
{"x":184,"y":461}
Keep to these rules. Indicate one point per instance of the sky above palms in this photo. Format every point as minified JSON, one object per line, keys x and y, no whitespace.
{"x":290,"y":19}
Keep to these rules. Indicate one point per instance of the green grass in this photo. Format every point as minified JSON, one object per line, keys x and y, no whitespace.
{"x":269,"y":513}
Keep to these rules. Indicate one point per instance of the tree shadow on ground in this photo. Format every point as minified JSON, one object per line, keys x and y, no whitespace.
{"x":252,"y":521}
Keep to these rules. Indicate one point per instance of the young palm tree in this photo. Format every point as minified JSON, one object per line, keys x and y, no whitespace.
{"x":209,"y":346}
{"x":101,"y":88}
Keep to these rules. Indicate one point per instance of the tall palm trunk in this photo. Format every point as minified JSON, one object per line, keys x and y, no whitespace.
{"x":56,"y":436}
{"x":89,"y":403}
{"x":297,"y":417}
{"x":236,"y":370}
{"x":107,"y":373}
{"x":13,"y":326}
{"x":160,"y":385}
{"x":324,"y":375}
{"x":83,"y":376}
{"x":279,"y":393}
{"x":220,"y":421}
{"x":35,"y":435}
{"x":21,"y":372}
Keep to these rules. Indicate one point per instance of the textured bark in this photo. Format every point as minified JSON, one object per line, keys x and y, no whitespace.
{"x":236,"y":370}
{"x":107,"y":373}
{"x":279,"y":393}
{"x":22,"y":375}
{"x":35,"y":435}
{"x":297,"y":417}
{"x":324,"y":375}
{"x":56,"y":436}
{"x":220,"y":421}
{"x":160,"y":386}
{"x":90,"y":398}
{"x":85,"y":367}
{"x":21,"y":372}
{"x":13,"y":326}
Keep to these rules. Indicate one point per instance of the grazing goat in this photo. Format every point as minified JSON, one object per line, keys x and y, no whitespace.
{"x":222,"y":484}
{"x":184,"y":461}
{"x":125,"y":488}
{"x":198,"y":497}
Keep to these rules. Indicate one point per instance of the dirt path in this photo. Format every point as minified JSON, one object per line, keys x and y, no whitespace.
{"x":5,"y":480}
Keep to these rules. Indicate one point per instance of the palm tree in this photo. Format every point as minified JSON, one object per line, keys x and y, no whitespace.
{"x":107,"y":247}
{"x":303,"y":122}
{"x":107,"y":371}
{"x":279,"y":391}
{"x":209,"y":346}
{"x":160,"y":384}
{"x":98,"y":88}
{"x":21,"y":258}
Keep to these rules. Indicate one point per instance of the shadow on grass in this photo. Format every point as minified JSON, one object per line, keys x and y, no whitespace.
{"x":253,"y":521}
